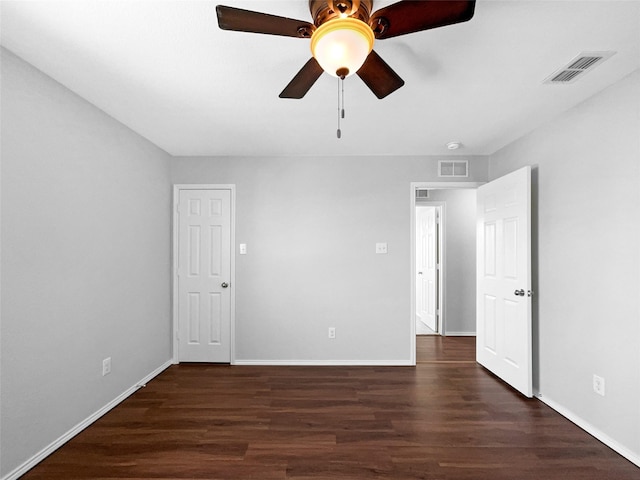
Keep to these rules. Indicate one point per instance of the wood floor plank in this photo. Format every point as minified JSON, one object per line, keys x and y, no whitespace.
{"x":445,"y":419}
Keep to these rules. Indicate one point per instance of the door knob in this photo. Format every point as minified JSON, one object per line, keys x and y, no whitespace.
{"x":419,"y":273}
{"x":519,"y":293}
{"x":224,"y":285}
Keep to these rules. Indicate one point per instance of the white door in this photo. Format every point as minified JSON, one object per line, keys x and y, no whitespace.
{"x":204,"y":274}
{"x":503,"y":300}
{"x":427,"y":266}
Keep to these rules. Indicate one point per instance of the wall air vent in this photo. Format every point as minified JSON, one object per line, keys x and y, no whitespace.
{"x":422,"y":193}
{"x":577,"y":67}
{"x":453,"y":168}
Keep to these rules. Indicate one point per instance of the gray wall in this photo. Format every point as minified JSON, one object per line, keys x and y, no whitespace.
{"x":460,"y":259}
{"x":311,"y":225}
{"x":586,"y":193}
{"x":85,"y":260}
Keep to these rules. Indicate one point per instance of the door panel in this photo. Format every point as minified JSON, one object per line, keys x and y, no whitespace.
{"x":194,"y":317}
{"x":490,"y":323}
{"x":489,"y":253}
{"x":204,"y":267}
{"x":215,"y":318}
{"x":503,"y":343}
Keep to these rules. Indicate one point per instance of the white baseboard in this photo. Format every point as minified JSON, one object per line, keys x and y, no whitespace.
{"x":52,"y":447}
{"x":327,"y":363}
{"x":460,"y":334}
{"x":591,"y":430}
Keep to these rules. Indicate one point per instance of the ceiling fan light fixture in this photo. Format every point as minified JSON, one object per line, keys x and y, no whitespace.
{"x":342,"y":44}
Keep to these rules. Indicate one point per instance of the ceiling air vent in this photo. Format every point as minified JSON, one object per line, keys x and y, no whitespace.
{"x":584,"y":62}
{"x":453,"y":168}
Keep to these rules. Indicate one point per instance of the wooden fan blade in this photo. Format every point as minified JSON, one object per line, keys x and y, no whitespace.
{"x":239,"y":20}
{"x":379,"y":76}
{"x":303,"y":81}
{"x":416,"y":15}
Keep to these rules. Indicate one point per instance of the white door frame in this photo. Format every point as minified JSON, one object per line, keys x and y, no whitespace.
{"x":174,"y":263}
{"x":412,"y":215}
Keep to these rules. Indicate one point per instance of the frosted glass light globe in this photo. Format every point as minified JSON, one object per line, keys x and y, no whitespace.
{"x":342,"y":43}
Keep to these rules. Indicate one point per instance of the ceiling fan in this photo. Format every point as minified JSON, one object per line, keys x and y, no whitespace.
{"x":342,"y":36}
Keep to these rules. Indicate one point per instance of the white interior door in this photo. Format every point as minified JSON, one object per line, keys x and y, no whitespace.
{"x":427,"y":266}
{"x":204,"y":269}
{"x":503,"y":341}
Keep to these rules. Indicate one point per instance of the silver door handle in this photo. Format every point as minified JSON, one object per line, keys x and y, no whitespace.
{"x":419,"y":273}
{"x":224,"y":285}
{"x":519,"y":293}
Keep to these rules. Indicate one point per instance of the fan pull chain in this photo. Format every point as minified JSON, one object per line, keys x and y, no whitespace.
{"x":342,"y":82}
{"x":340,"y":103}
{"x":339,"y":132}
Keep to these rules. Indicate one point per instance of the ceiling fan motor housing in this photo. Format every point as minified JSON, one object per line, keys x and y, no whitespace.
{"x":325,"y":10}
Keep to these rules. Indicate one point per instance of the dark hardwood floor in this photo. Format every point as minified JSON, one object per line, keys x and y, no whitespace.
{"x":445,"y":419}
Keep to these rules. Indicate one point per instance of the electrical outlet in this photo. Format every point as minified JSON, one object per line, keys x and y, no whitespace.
{"x":106,"y":366}
{"x":598,"y":384}
{"x":381,"y":248}
{"x":332,"y":332}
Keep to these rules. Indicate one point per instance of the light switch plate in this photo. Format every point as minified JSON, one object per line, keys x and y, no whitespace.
{"x":243,"y":249}
{"x":381,"y":248}
{"x":106,"y":366}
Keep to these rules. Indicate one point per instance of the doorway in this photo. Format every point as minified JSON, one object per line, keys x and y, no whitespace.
{"x":203,"y":273}
{"x":454,"y":292}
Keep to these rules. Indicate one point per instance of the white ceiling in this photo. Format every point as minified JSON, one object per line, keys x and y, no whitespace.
{"x":167,"y":71}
